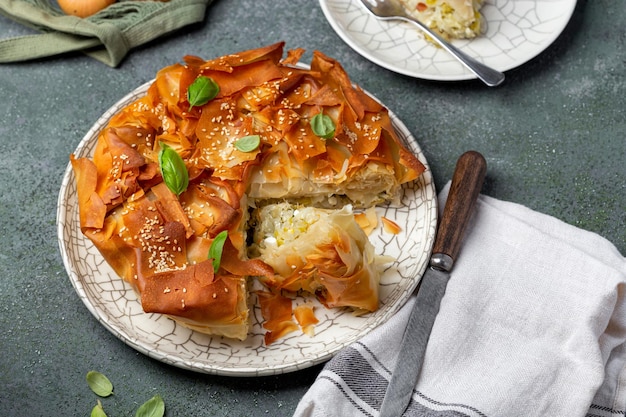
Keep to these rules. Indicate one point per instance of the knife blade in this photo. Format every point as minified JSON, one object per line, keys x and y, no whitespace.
{"x":467,"y":181}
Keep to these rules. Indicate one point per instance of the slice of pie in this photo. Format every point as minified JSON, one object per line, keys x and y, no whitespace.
{"x":452,"y":19}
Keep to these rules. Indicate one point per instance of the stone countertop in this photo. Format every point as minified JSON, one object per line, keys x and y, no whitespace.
{"x":554,"y":137}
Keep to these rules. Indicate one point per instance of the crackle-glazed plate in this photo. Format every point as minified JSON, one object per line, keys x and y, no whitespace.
{"x":516,"y":31}
{"x":116,"y":306}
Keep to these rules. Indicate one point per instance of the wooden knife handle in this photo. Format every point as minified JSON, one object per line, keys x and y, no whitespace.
{"x":467,"y":182}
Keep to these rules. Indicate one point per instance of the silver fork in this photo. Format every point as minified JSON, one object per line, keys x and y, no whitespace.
{"x":393,"y":10}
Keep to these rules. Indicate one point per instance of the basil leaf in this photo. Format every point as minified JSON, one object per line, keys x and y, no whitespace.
{"x":248,"y":143}
{"x":99,"y":384}
{"x":323,"y":126}
{"x":201,"y":91}
{"x":215,"y":251}
{"x":154,"y":407}
{"x":173,"y":169}
{"x":98,"y":411}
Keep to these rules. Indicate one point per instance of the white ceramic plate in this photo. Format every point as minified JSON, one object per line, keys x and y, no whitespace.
{"x":117,"y":307}
{"x":517,"y":31}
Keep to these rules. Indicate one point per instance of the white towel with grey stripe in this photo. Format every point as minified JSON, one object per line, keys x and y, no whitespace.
{"x":533,"y":323}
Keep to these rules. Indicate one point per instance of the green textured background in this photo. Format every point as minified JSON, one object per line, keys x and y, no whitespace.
{"x":554,"y":137}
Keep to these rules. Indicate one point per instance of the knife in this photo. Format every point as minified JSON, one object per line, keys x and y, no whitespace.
{"x":467,"y":181}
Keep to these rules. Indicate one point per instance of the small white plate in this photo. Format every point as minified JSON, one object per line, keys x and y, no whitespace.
{"x":516,"y":32}
{"x":116,"y":306}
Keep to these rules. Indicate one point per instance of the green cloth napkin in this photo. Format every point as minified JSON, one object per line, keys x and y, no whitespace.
{"x":106,"y":36}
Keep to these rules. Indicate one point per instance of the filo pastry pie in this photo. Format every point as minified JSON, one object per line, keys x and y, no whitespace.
{"x":252,"y":142}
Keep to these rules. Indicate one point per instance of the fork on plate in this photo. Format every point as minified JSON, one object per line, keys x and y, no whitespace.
{"x":393,"y":10}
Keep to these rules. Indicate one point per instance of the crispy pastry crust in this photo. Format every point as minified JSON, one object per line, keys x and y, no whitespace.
{"x":159,"y":242}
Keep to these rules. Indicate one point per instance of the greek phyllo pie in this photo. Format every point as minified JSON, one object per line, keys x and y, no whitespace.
{"x":233,"y":180}
{"x":452,"y":19}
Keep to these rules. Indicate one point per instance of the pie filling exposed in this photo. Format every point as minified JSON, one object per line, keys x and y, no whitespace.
{"x":451,"y":19}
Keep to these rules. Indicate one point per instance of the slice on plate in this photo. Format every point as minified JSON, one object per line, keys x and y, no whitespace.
{"x":452,"y":19}
{"x":319,"y":251}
